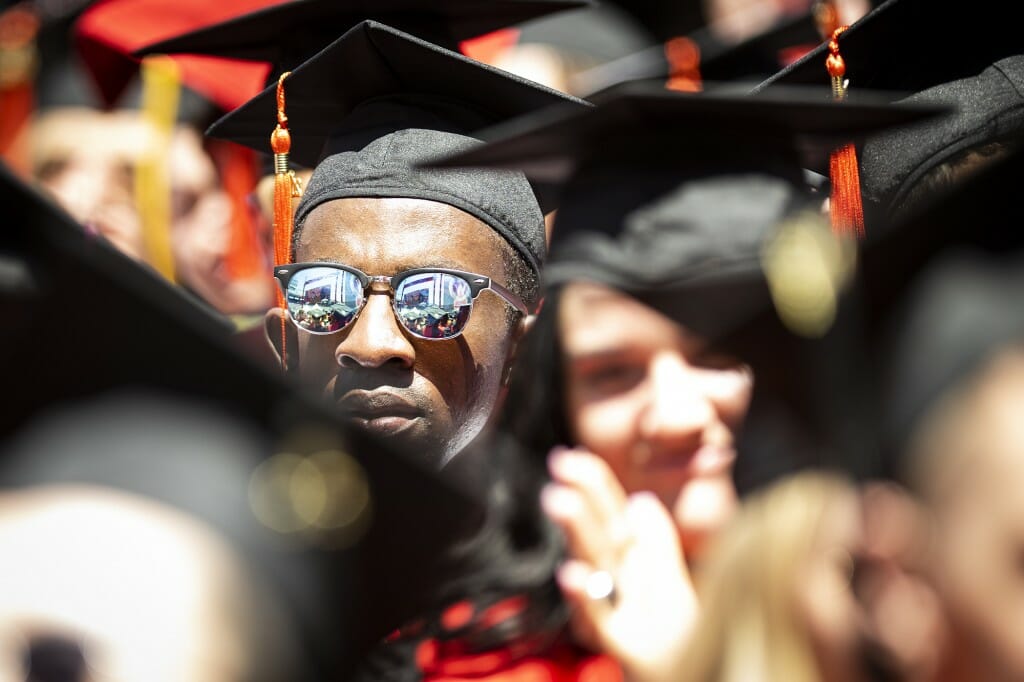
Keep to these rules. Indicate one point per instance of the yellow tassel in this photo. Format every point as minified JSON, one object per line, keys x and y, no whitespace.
{"x":286,"y":187}
{"x":845,"y":205}
{"x":161,"y":84}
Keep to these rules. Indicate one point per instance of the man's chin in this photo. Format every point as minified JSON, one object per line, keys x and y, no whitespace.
{"x":413,"y":436}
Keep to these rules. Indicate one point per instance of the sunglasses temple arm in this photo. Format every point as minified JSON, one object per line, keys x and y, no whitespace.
{"x":512,"y":299}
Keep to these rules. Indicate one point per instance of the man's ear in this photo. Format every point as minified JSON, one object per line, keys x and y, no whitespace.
{"x":282,"y":337}
{"x":519,"y":332}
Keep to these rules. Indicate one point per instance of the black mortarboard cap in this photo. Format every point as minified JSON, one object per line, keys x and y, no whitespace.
{"x":932,"y":295}
{"x":640,"y":143}
{"x":989,"y":109}
{"x":905,"y":46}
{"x":720,"y":182}
{"x":376,"y":101}
{"x":288,"y":34}
{"x":939,"y":293}
{"x":750,"y":60}
{"x":91,"y":327}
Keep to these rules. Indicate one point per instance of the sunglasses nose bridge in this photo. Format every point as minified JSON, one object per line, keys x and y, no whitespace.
{"x":380,"y":284}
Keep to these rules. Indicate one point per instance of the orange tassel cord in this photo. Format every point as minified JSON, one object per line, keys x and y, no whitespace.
{"x":683,"y":56}
{"x":846,"y":205}
{"x":286,"y":187}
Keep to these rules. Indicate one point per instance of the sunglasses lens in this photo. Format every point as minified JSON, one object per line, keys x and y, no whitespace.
{"x":324,"y":299}
{"x":434,"y":305}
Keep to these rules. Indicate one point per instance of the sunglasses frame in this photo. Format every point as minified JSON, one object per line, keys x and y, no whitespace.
{"x":477,"y":283}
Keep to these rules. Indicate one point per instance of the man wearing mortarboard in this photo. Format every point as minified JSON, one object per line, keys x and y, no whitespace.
{"x":371,"y":231}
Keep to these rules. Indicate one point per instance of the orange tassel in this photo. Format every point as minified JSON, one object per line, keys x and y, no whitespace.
{"x":286,"y":186}
{"x":245,"y":258}
{"x":19,"y":59}
{"x":845,"y":206}
{"x":683,"y":56}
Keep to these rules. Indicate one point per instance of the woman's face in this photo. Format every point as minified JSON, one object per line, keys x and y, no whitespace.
{"x":653,"y":401}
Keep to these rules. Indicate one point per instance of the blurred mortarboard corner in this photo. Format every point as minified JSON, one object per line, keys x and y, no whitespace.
{"x":107,"y":32}
{"x":93,"y":329}
{"x":705,"y":60}
{"x":286,"y":35}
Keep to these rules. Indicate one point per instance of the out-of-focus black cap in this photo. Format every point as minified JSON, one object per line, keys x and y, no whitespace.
{"x":989,"y":113}
{"x":905,"y":46}
{"x":641,"y":142}
{"x":696,"y":205}
{"x":288,"y":34}
{"x":918,"y":51}
{"x":939,"y":293}
{"x":932,"y":296}
{"x":352,"y":556}
{"x":713,"y":61}
{"x":376,"y":101}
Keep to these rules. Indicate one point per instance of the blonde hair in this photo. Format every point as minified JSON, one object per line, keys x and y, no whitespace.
{"x":749,"y":628}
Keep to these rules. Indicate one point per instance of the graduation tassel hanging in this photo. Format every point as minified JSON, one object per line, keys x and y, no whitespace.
{"x":845,"y":206}
{"x":286,"y":187}
{"x":161,"y":90}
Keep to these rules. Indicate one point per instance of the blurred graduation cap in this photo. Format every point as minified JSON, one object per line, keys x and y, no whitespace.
{"x":988,"y":119}
{"x":107,"y":33}
{"x":931,"y":296}
{"x":287,"y":34}
{"x":376,"y":100}
{"x":696,"y":205}
{"x":939,"y":290}
{"x":708,"y":59}
{"x":641,"y":141}
{"x":97,"y":329}
{"x":905,"y":46}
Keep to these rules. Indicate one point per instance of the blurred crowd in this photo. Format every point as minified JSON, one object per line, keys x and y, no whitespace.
{"x":637,"y":342}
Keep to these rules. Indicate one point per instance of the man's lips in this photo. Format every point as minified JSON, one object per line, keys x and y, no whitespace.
{"x":379,"y":410}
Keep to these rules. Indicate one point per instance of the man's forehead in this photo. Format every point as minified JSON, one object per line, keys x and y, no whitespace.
{"x":389,"y":234}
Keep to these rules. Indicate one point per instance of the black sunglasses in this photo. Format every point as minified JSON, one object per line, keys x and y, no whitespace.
{"x":431,"y":303}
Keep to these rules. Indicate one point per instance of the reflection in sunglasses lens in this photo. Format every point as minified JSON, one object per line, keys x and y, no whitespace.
{"x":433,"y":305}
{"x":324,"y":299}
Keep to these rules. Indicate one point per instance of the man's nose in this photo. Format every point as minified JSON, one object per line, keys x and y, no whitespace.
{"x":375,"y":339}
{"x":678,"y":410}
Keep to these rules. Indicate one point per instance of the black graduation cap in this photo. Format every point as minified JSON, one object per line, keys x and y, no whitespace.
{"x":696,"y":205}
{"x":91,"y":328}
{"x":919,"y":51}
{"x":988,"y":119}
{"x":750,"y":60}
{"x":375,"y":101}
{"x":641,"y":142}
{"x":940,"y":291}
{"x":905,"y":46}
{"x":932,"y":295}
{"x":290,"y":33}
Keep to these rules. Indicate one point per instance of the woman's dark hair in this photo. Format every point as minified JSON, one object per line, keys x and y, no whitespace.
{"x":534,"y":413}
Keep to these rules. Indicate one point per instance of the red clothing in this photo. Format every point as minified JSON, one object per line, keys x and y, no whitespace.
{"x":562,"y":663}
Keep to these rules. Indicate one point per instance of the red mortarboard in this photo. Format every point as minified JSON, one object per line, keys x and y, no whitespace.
{"x":109,"y":31}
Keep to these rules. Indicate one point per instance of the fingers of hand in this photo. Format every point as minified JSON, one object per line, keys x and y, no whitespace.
{"x":589,"y":615}
{"x":589,"y":505}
